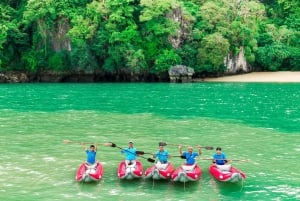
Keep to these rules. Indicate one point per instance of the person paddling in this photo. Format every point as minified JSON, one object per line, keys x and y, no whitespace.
{"x":162,"y":155}
{"x":189,"y":155}
{"x":130,"y":153}
{"x":219,"y":158}
{"x":91,"y":154}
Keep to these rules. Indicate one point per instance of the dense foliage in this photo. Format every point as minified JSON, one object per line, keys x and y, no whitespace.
{"x":147,"y":36}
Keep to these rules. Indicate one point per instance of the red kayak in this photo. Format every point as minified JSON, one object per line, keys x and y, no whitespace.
{"x":160,"y":171}
{"x":88,"y":173}
{"x":226,"y":173}
{"x":131,"y":171}
{"x":187,"y":173}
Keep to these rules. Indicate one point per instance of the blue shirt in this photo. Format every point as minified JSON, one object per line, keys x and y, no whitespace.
{"x":91,"y":156}
{"x":130,"y":153}
{"x":190,"y":158}
{"x":162,"y":156}
{"x":219,"y":156}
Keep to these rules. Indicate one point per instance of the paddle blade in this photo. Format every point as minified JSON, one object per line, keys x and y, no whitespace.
{"x":107,"y":144}
{"x":209,"y":148}
{"x":112,"y":144}
{"x":162,"y":144}
{"x":140,"y":152}
{"x":183,"y":157}
{"x":66,"y":141}
{"x":150,"y":160}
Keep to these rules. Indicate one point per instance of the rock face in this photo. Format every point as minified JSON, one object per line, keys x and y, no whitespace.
{"x":237,"y":64}
{"x":180,"y":73}
{"x":59,"y":37}
{"x":181,"y":34}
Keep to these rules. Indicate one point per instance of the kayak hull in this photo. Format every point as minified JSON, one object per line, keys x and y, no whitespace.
{"x":160,"y":171}
{"x":231,"y":175}
{"x":186,"y":173}
{"x":89,"y":173}
{"x":129,"y":172}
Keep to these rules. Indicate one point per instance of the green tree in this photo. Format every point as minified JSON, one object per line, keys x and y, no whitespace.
{"x":237,"y":21}
{"x":123,"y":43}
{"x":155,"y":28}
{"x":3,"y":35}
{"x":212,"y":52}
{"x":165,"y":60}
{"x":281,"y":51}
{"x":272,"y":56}
{"x":13,"y":39}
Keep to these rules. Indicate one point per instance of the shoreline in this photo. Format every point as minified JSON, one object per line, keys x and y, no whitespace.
{"x":278,"y":76}
{"x":56,"y":77}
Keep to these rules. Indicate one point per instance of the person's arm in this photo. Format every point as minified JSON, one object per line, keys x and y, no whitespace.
{"x":155,"y":155}
{"x":214,"y":159}
{"x":123,"y":151}
{"x":225,"y":160}
{"x":199,"y":150}
{"x":134,"y":151}
{"x":83,"y":146}
{"x":96,"y":147}
{"x":180,"y":149}
{"x":168,"y":155}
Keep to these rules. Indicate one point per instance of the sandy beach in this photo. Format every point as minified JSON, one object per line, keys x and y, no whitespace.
{"x":282,"y":76}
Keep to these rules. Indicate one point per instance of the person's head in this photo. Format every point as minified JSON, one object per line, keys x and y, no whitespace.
{"x":92,"y":148}
{"x":190,"y":149}
{"x":130,"y":144}
{"x":161,"y":148}
{"x":218,"y":150}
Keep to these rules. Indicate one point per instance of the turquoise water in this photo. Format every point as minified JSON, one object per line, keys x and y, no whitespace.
{"x":258,"y":122}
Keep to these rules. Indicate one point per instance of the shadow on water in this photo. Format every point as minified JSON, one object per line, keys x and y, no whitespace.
{"x":228,"y":189}
{"x":157,"y":184}
{"x":166,"y":184}
{"x":91,"y":190}
{"x":81,"y":186}
{"x":129,"y":181}
{"x":186,"y":186}
{"x":132,"y":185}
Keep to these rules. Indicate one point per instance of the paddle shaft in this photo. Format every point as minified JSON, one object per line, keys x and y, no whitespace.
{"x":242,"y":160}
{"x":78,"y":142}
{"x":148,"y":159}
{"x":205,"y":147}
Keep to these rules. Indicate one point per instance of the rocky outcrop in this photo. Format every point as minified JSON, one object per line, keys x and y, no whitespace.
{"x":13,"y":77}
{"x":237,"y":64}
{"x":180,"y":73}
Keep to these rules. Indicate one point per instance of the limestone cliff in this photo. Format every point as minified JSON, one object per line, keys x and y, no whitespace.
{"x":237,"y":63}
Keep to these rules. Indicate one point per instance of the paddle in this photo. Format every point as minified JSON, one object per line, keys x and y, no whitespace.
{"x":241,"y":160}
{"x":142,"y":153}
{"x":165,"y":144}
{"x":78,"y":142}
{"x":183,"y":157}
{"x":138,"y":153}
